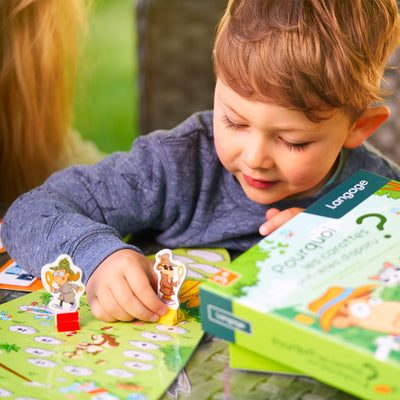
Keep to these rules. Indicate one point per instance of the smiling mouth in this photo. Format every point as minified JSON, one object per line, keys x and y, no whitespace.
{"x":258,"y":184}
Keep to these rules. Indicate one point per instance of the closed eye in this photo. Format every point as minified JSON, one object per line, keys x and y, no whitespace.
{"x":294,"y":146}
{"x":232,"y":125}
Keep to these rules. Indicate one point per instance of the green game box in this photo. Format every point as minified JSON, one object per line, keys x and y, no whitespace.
{"x":321,"y":294}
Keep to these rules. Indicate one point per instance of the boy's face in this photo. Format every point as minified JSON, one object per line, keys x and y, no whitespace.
{"x":273,"y":152}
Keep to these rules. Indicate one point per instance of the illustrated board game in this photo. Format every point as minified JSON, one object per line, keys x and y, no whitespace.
{"x":101,"y":361}
{"x":322,"y":293}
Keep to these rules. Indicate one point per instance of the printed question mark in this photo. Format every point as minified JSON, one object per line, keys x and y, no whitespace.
{"x":382,"y":220}
{"x":373,"y":372}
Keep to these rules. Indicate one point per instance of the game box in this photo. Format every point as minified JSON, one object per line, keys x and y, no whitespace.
{"x":321,"y":294}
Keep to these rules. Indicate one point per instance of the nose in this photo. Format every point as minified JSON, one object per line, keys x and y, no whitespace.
{"x":256,"y":153}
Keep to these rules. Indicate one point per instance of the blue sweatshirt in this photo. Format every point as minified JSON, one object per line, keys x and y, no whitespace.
{"x":171,"y":182}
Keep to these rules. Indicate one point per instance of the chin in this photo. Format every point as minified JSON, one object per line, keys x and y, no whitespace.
{"x":302,"y":194}
{"x":265,"y":200}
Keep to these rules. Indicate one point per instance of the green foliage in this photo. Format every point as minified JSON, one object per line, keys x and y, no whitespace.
{"x":105,"y":101}
{"x":45,"y":298}
{"x":9,"y":347}
{"x":191,"y":313}
{"x":246,"y":266}
{"x":391,"y":190}
{"x":390,"y":293}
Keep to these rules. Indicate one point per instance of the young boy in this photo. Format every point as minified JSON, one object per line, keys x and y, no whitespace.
{"x":295,"y":81}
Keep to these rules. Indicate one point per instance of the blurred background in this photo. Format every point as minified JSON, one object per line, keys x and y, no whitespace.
{"x":106,"y":95}
{"x":147,"y":65}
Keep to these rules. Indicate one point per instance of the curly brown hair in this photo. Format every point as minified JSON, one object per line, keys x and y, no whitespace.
{"x":308,"y":55}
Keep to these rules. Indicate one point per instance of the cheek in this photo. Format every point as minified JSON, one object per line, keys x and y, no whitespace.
{"x":302,"y":172}
{"x":309,"y":169}
{"x":222,"y":148}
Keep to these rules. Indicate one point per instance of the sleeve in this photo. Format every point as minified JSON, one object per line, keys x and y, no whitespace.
{"x":85,"y":211}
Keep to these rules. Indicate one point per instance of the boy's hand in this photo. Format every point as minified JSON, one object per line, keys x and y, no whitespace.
{"x":276,"y":218}
{"x":121,"y":288}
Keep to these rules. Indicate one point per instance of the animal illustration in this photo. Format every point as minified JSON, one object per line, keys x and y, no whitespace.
{"x":389,"y":275}
{"x":171,"y":274}
{"x":99,"y":343}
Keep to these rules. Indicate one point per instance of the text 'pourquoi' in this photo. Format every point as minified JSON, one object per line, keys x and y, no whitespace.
{"x":321,"y":251}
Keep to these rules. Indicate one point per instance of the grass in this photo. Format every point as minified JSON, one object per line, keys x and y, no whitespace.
{"x":106,"y":93}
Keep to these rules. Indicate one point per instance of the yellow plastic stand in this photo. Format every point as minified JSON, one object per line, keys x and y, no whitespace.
{"x":172,"y":317}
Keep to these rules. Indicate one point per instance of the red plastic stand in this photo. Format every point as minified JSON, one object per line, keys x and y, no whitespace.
{"x":68,"y":321}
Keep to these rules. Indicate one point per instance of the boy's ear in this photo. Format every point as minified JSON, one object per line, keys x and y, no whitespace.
{"x":368,"y":122}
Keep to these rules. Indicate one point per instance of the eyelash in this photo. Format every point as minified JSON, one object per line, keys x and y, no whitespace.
{"x":290,"y":146}
{"x":231,"y":125}
{"x":294,"y":146}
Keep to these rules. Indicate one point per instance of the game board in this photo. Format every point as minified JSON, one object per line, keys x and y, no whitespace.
{"x":101,"y":361}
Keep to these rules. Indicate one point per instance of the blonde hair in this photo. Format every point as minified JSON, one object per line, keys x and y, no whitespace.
{"x":308,"y":55}
{"x":38,"y":47}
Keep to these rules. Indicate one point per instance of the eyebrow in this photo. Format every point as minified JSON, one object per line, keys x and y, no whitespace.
{"x":224,"y":100}
{"x":293,"y":129}
{"x":233,"y":110}
{"x":282,"y":129}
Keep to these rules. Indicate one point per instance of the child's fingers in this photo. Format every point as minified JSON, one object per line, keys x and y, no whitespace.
{"x":98,"y":311}
{"x":142,"y":289}
{"x":265,"y":228}
{"x":271,"y":213}
{"x":121,"y":289}
{"x":272,"y":222}
{"x":120,"y":304}
{"x":277,"y":218}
